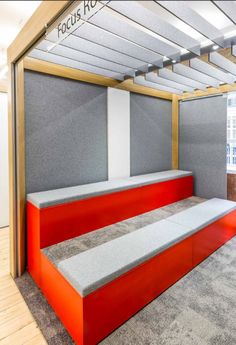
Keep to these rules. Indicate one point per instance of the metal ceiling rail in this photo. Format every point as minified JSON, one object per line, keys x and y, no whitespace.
{"x":212,"y":71}
{"x":193,"y":19}
{"x":154,"y":78}
{"x":195,"y":75}
{"x":151,"y":21}
{"x":50,"y":57}
{"x":143,"y":82}
{"x":222,"y":62}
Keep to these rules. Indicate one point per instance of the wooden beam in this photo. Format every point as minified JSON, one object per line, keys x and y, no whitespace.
{"x":71,"y":73}
{"x":67,"y":72}
{"x":129,"y":85}
{"x":209,"y":91}
{"x":46,"y":14}
{"x":12,"y":175}
{"x":20,"y":168}
{"x":175,"y":132}
{"x":35,"y":27}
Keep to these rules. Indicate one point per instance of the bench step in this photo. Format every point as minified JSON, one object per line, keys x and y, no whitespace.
{"x":94,"y":268}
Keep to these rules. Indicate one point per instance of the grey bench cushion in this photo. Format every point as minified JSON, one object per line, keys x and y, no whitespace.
{"x":201,"y":215}
{"x":65,"y":195}
{"x":93,"y":268}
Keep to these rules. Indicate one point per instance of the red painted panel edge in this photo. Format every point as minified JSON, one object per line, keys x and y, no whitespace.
{"x":61,"y":222}
{"x":64,"y":299}
{"x":212,"y":237}
{"x":111,"y":305}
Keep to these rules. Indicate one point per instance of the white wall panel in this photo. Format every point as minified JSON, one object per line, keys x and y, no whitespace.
{"x":4,"y":179}
{"x":118,"y":116}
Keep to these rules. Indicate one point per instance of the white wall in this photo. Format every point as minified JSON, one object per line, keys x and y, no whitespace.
{"x":4,"y":179}
{"x":118,"y":115}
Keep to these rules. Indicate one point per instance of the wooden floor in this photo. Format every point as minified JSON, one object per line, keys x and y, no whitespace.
{"x":17,"y":326}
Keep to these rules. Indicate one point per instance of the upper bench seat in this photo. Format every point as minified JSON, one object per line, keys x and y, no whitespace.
{"x":69,"y":194}
{"x":94,"y":268}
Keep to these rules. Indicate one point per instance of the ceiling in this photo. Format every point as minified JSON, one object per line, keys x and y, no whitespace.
{"x":173,"y":46}
{"x":13,"y":16}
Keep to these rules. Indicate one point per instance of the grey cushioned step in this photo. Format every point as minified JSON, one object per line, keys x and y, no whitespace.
{"x":93,"y":268}
{"x":65,"y":195}
{"x":201,"y":215}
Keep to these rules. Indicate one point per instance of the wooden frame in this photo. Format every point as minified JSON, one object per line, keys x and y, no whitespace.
{"x":17,"y":173}
{"x":47,"y":13}
{"x":175,"y":132}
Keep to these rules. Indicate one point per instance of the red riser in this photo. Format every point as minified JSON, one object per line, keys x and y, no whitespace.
{"x":61,"y":222}
{"x":209,"y":239}
{"x":110,"y":306}
{"x":92,"y":318}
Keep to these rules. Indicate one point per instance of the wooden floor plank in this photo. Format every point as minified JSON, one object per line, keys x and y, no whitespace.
{"x":23,"y":335}
{"x":17,"y":325}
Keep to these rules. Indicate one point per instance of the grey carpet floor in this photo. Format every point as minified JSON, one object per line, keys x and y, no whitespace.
{"x":200,"y":309}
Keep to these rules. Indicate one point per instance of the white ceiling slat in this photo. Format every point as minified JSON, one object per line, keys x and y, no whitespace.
{"x":195,"y":75}
{"x":148,"y":19}
{"x":110,"y":22}
{"x":129,"y":38}
{"x":167,"y":74}
{"x":95,"y":49}
{"x":181,"y":10}
{"x":228,"y":8}
{"x":214,"y":72}
{"x":85,"y":58}
{"x":106,"y":39}
{"x":49,"y":57}
{"x":222,"y":62}
{"x":153,"y":77}
{"x":143,"y":82}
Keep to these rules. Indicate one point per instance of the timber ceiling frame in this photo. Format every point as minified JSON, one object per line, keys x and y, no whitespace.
{"x":128,"y":40}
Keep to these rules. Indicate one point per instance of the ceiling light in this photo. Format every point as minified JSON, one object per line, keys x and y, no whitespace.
{"x":215,"y":46}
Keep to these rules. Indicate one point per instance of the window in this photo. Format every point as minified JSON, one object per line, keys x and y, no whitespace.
{"x":231,"y":132}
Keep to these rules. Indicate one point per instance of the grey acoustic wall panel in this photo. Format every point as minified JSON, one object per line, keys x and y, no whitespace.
{"x":202,"y":144}
{"x":66,"y":132}
{"x":150,"y":134}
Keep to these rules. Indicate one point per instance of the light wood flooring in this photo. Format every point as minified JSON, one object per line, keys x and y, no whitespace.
{"x":17,"y":326}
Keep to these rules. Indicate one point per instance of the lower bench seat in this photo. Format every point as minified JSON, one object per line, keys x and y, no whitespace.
{"x":93,"y":268}
{"x":109,"y":283}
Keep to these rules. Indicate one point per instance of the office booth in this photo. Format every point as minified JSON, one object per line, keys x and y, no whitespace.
{"x":118,"y":109}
